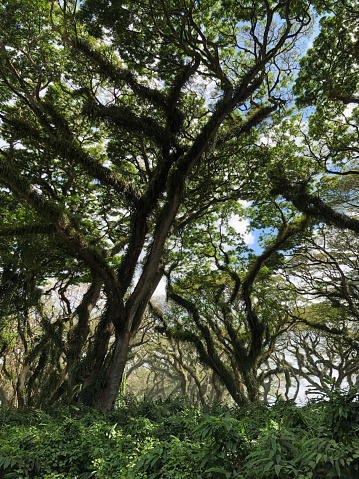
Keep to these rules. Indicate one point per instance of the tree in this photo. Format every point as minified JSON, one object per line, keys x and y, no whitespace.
{"x":113,"y":116}
{"x":321,"y":276}
{"x":323,"y":273}
{"x":322,"y":360}
{"x":160,"y":367}
{"x":227,"y":305}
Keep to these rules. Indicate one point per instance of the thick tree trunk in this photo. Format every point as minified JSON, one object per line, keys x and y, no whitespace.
{"x":183,"y":382}
{"x":4,"y":401}
{"x":106,"y":396}
{"x":101,"y":387}
{"x":251,"y":382}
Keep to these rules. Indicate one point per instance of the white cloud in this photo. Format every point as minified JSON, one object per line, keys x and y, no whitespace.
{"x":241,"y":227}
{"x":267,"y":141}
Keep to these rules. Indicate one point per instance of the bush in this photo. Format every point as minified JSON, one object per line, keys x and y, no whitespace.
{"x":170,"y":440}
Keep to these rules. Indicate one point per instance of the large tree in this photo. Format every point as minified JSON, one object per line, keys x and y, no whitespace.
{"x":120,"y":121}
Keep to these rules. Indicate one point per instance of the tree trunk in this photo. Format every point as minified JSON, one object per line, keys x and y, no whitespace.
{"x":102,"y":382}
{"x":20,"y":386}
{"x":4,"y":401}
{"x":106,"y":397}
{"x":78,"y":336}
{"x":251,"y":382}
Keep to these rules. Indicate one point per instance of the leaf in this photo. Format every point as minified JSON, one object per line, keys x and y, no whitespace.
{"x":277,"y":469}
{"x":268,"y":466}
{"x":219,"y":470}
{"x":337,"y":467}
{"x":274,"y":444}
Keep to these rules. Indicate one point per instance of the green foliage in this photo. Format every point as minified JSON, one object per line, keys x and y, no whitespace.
{"x":226,"y":444}
{"x":72,"y":444}
{"x":283,"y":441}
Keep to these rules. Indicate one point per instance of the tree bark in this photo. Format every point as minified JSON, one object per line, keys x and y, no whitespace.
{"x":20,"y":385}
{"x":107,"y":395}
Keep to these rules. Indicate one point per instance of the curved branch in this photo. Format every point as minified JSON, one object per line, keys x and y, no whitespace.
{"x":23,"y":230}
{"x":312,"y":205}
{"x":67,"y":147}
{"x":117,"y":74}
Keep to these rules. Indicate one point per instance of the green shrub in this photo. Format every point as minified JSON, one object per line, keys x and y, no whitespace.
{"x":170,"y":440}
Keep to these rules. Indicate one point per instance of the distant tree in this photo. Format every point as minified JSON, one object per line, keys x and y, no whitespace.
{"x":323,"y":274}
{"x":318,"y":360}
{"x":228,"y":306}
{"x":161,"y":367}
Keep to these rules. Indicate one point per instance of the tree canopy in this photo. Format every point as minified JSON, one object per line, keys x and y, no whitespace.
{"x":128,"y":131}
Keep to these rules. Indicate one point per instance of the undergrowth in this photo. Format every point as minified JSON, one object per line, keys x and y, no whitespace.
{"x":171,"y":440}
